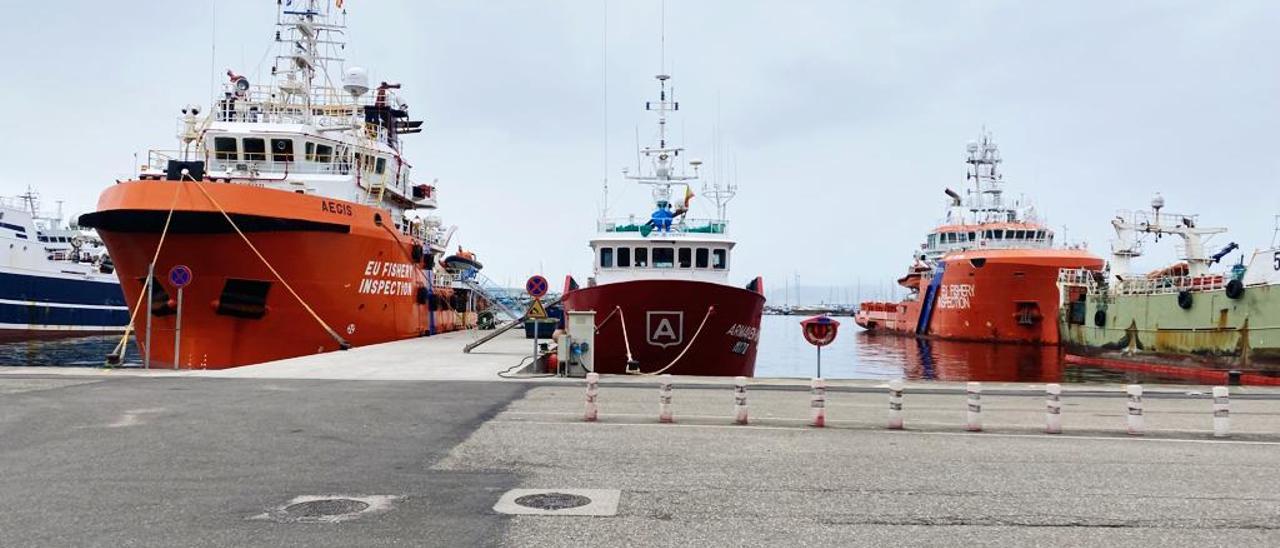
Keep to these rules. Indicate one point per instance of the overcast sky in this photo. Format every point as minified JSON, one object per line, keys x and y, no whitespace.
{"x":846,"y":119}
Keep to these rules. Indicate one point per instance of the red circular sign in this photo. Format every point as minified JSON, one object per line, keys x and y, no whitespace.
{"x":820,"y":330}
{"x":536,"y":286}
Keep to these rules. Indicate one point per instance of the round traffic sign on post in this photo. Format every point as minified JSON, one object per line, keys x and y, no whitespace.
{"x":180,"y":275}
{"x":820,"y":330}
{"x":537,"y":286}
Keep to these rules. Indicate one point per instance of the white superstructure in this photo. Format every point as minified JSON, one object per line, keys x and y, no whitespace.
{"x":319,"y":127}
{"x":666,"y":244}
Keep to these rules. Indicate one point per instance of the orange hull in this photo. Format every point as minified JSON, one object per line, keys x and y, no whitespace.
{"x":346,"y":261}
{"x":986,"y":295}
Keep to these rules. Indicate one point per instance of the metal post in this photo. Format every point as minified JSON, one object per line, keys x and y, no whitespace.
{"x":177,"y":332}
{"x":819,"y":362}
{"x":147,"y":290}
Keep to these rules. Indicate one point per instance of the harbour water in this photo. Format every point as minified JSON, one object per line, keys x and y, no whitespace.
{"x":783,"y":353}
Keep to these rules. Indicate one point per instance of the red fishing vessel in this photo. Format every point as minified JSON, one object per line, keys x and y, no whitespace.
{"x":660,"y":285}
{"x":293,"y":207}
{"x":988,"y":273}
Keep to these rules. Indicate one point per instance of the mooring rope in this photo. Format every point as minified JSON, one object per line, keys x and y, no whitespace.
{"x":342,"y":343}
{"x":626,"y":341}
{"x":118,"y":353}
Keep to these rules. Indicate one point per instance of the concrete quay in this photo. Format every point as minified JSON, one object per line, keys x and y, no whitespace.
{"x":431,"y":440}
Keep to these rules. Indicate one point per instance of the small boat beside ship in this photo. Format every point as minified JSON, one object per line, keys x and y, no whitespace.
{"x":55,"y":280}
{"x":987,"y":273}
{"x":293,"y":207}
{"x":660,"y":285}
{"x":1198,"y":312}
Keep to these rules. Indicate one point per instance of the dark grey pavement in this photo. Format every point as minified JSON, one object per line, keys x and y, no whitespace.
{"x":187,"y":462}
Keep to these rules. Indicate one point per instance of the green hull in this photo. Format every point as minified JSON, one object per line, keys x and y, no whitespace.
{"x":1239,"y":333}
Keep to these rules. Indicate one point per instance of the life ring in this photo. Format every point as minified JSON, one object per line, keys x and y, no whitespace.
{"x":1100,"y":318}
{"x":1184,"y":300}
{"x":1235,"y":289}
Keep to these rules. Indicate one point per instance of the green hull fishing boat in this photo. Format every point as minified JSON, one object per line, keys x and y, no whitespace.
{"x":1189,"y":313}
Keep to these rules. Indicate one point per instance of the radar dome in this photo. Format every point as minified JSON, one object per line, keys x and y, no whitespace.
{"x":356,"y":81}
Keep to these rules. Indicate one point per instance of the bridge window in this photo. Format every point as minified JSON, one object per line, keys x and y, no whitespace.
{"x":324,"y":154}
{"x":282,"y":150}
{"x":999,"y":234}
{"x":624,"y":257}
{"x":973,"y":237}
{"x":642,"y":257}
{"x":686,"y":257}
{"x":224,"y":148}
{"x":701,"y":257}
{"x":255,"y":150}
{"x":719,"y":259}
{"x":664,"y":257}
{"x":381,"y":166}
{"x":606,"y":257}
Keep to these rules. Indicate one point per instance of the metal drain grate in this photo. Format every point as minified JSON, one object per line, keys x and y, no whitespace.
{"x":553,"y":501}
{"x":325,"y":508}
{"x":559,"y":502}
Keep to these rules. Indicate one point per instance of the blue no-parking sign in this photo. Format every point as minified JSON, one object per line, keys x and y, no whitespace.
{"x":180,"y":275}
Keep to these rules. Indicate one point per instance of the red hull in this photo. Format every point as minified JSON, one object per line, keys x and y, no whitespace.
{"x":356,"y":275}
{"x":662,"y":319}
{"x":987,"y":295}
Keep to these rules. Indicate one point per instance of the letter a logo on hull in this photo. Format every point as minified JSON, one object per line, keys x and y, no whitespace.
{"x":665,"y":328}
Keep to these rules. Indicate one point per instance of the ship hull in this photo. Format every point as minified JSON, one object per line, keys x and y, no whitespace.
{"x":1006,"y":296}
{"x":1216,"y":331}
{"x":35,"y":306}
{"x":679,"y":327}
{"x":325,"y":274}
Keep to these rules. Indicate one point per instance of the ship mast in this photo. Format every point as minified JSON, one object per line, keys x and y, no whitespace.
{"x":307,"y":41}
{"x":1129,"y":226}
{"x":984,"y":156}
{"x":661,"y":175}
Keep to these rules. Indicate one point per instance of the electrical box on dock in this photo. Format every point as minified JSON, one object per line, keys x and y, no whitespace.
{"x":577,"y":347}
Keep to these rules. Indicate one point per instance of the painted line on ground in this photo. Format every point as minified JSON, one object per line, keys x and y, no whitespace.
{"x":1040,"y":436}
{"x":851,"y":422}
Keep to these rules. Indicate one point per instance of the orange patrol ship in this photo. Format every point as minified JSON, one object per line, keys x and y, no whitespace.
{"x":988,"y":273}
{"x":293,"y":207}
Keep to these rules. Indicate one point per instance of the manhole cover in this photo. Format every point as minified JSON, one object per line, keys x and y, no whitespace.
{"x":331,"y":508}
{"x":325,"y":507}
{"x":553,"y":501}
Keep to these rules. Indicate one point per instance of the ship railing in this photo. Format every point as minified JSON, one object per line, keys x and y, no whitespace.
{"x":14,"y":202}
{"x":1078,"y":277}
{"x":336,"y":164}
{"x":680,"y":228}
{"x":262,"y":103}
{"x":1170,"y":284}
{"x":158,"y":161}
{"x":507,"y":301}
{"x":1150,"y":218}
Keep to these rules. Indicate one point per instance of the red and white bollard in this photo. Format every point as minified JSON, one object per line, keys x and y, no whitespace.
{"x":1221,"y":412}
{"x":973,"y":417}
{"x":1053,"y":409}
{"x":896,"y":387}
{"x":818,"y":403}
{"x":593,"y":391}
{"x":740,"y":400}
{"x":664,"y":399}
{"x":1136,"y":423}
